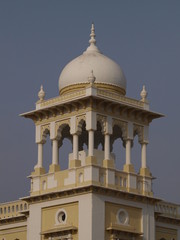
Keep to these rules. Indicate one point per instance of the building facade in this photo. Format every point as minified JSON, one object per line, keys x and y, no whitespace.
{"x":91,"y":199}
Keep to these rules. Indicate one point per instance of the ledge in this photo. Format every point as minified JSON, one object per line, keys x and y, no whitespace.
{"x":91,"y":189}
{"x":61,"y":230}
{"x":125,"y":229}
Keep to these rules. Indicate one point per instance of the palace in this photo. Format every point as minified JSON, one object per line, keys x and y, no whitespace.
{"x":92,"y":199}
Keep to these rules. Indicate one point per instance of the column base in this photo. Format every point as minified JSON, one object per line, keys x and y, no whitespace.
{"x":74,"y":163}
{"x":145,"y":172}
{"x":54,"y":168}
{"x":128,"y":168}
{"x":91,"y":160}
{"x":108,"y":163}
{"x":38,"y":171}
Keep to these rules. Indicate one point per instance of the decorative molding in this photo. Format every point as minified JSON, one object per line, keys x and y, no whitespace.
{"x":123,"y":126}
{"x":60,"y":125}
{"x":138,"y":130}
{"x":79,"y":123}
{"x":102,"y":120}
{"x":45,"y":130}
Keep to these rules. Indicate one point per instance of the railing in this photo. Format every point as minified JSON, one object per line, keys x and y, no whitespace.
{"x":121,"y":180}
{"x":120,"y":98}
{"x":62,"y":99}
{"x":168,"y":209}
{"x":70,"y":96}
{"x":12,"y":209}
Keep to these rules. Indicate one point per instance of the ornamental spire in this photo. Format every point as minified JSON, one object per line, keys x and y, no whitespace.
{"x":92,"y":40}
{"x":91,"y":78}
{"x":41,"y":94}
{"x":144,"y":94}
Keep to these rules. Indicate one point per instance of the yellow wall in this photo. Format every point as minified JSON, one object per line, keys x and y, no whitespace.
{"x":134,"y":223}
{"x":49,"y":217}
{"x":13,"y":233}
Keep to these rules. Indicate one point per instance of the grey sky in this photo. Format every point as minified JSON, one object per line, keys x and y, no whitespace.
{"x":38,"y":38}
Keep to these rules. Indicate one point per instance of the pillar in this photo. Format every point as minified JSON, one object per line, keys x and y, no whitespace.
{"x":91,"y":159}
{"x":128,"y":167}
{"x":75,"y":162}
{"x":55,"y":152}
{"x":40,"y":155}
{"x":91,"y":143}
{"x":54,"y":167}
{"x":143,"y":155}
{"x":128,"y":152}
{"x":91,"y":126}
{"x":107,"y":162}
{"x":75,"y":147}
{"x":38,"y":169}
{"x":107,"y":147}
{"x":144,"y":169}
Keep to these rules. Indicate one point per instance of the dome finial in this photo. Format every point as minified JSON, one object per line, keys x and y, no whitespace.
{"x":92,"y":40}
{"x":41,"y":94}
{"x":91,"y":78}
{"x":144,"y":94}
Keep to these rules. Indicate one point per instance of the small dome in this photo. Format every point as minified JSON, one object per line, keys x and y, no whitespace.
{"x":108,"y":73}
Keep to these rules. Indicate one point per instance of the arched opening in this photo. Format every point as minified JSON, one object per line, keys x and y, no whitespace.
{"x":47,"y":150}
{"x":136,"y":154}
{"x":117,"y":147}
{"x":83,"y":137}
{"x":99,"y":137}
{"x":65,"y":145}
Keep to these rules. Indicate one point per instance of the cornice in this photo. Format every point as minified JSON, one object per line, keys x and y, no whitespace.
{"x":162,"y":218}
{"x":14,"y":219}
{"x":110,"y":103}
{"x":90,"y":189}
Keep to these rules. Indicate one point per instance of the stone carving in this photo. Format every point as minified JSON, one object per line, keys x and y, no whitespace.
{"x":45,"y":130}
{"x":80,"y":120}
{"x":102,"y":120}
{"x":62,"y":131}
{"x":123,"y":126}
{"x":138,"y":130}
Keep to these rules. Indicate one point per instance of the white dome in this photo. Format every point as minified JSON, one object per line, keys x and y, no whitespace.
{"x":105,"y":70}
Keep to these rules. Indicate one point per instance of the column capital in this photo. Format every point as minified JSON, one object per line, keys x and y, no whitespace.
{"x":108,"y":126}
{"x":91,"y":121}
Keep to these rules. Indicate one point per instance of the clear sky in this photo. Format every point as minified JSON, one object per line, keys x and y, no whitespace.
{"x":39,"y":37}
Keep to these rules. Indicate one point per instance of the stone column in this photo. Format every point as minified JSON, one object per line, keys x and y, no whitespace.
{"x":91,"y":126}
{"x":38,"y":169}
{"x":91,"y":143}
{"x":128,"y":152}
{"x":107,"y":147}
{"x":143,"y":155}
{"x":91,"y":159}
{"x":75,"y":130}
{"x":75,"y":147}
{"x":40,"y":155}
{"x":107,"y":162}
{"x":75,"y":162}
{"x":144,"y":169}
{"x":54,"y":167}
{"x":128,"y":167}
{"x":55,"y":152}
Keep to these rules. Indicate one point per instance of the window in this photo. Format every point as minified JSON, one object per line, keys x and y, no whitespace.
{"x":122,"y":217}
{"x":61,"y":217}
